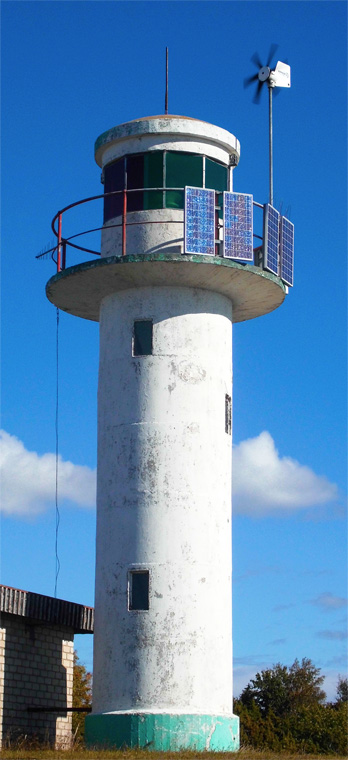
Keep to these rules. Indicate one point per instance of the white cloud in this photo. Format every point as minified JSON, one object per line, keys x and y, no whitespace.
{"x":333,"y":635}
{"x":329,"y":602}
{"x":282,"y":607}
{"x":28,"y":480}
{"x":264,"y":483}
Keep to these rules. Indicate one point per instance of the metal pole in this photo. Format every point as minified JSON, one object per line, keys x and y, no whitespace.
{"x":270,"y":147}
{"x":166,"y":98}
{"x":124,"y":220}
{"x":64,"y":254}
{"x":59,"y":242}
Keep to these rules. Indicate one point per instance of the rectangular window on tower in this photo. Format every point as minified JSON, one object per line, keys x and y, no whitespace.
{"x":142,"y":337}
{"x":138,"y":590}
{"x":228,"y":414}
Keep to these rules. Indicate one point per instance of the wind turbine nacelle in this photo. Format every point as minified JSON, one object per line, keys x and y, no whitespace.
{"x":280,"y":77}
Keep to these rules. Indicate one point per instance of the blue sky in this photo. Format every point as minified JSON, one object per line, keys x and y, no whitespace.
{"x":71,"y":70}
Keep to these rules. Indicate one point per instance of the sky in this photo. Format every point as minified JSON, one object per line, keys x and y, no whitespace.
{"x":70,"y":71}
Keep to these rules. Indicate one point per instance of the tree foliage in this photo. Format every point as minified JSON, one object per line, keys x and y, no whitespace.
{"x":283,"y":708}
{"x":82,"y":696}
{"x":285,"y":689}
{"x":342,"y":690}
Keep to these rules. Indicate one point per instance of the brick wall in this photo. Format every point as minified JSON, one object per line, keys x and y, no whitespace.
{"x":36,"y":662}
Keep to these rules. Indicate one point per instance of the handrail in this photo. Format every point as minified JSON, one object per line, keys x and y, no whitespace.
{"x":63,"y":242}
{"x":112,"y":192}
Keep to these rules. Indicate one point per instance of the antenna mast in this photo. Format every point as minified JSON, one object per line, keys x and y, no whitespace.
{"x":166,"y":98}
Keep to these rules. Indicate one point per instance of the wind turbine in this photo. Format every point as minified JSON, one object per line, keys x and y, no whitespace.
{"x":274,"y":77}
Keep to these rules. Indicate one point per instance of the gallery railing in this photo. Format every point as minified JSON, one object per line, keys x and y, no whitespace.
{"x":58,"y":252}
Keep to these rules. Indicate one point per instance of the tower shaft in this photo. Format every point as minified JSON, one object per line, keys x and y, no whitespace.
{"x":164,"y":504}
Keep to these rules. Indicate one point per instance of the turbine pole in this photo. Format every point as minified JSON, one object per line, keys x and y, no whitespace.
{"x":270,"y":145}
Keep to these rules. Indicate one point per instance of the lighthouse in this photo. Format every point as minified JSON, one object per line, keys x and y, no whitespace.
{"x":177,"y":269}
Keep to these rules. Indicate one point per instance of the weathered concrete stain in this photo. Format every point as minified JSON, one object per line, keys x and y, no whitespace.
{"x":190,"y":372}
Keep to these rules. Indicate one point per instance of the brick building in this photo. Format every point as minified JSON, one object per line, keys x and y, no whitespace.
{"x":36,"y":664}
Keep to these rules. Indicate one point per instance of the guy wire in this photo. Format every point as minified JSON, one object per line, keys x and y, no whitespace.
{"x":57,"y":461}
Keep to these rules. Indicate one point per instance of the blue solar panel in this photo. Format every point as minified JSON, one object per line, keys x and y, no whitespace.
{"x":238,"y":226}
{"x":199,"y":221}
{"x":271,"y":238}
{"x":287,"y":251}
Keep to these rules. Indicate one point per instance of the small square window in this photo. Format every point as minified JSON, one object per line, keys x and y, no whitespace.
{"x":138,"y":590}
{"x":228,"y":415}
{"x":142,"y":337}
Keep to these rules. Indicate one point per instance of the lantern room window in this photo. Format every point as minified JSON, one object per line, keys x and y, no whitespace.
{"x":182,"y":169}
{"x":158,"y":170}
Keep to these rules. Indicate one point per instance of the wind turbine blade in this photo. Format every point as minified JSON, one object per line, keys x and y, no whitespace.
{"x":272,"y":51}
{"x":257,"y":96}
{"x":256,"y":60}
{"x":249,"y":80}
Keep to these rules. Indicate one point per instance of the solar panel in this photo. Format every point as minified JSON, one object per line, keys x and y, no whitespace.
{"x":199,"y":221}
{"x":271,"y":238}
{"x":238,"y":226}
{"x":287,"y":250}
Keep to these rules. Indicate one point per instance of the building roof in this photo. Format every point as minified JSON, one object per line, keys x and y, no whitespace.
{"x":158,"y":128}
{"x":47,"y":609}
{"x":165,"y":116}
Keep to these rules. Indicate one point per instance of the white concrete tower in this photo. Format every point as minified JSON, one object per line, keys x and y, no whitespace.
{"x":163,"y":597}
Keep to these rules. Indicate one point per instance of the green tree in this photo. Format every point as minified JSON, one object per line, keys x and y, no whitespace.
{"x":82,"y":696}
{"x":282,"y":709}
{"x":320,"y":728}
{"x":283,"y":690}
{"x":342,"y":691}
{"x":305,"y":685}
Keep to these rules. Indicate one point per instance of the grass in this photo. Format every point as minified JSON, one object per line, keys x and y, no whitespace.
{"x":21,"y":751}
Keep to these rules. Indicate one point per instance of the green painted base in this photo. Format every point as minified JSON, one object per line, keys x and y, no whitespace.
{"x":163,"y":732}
